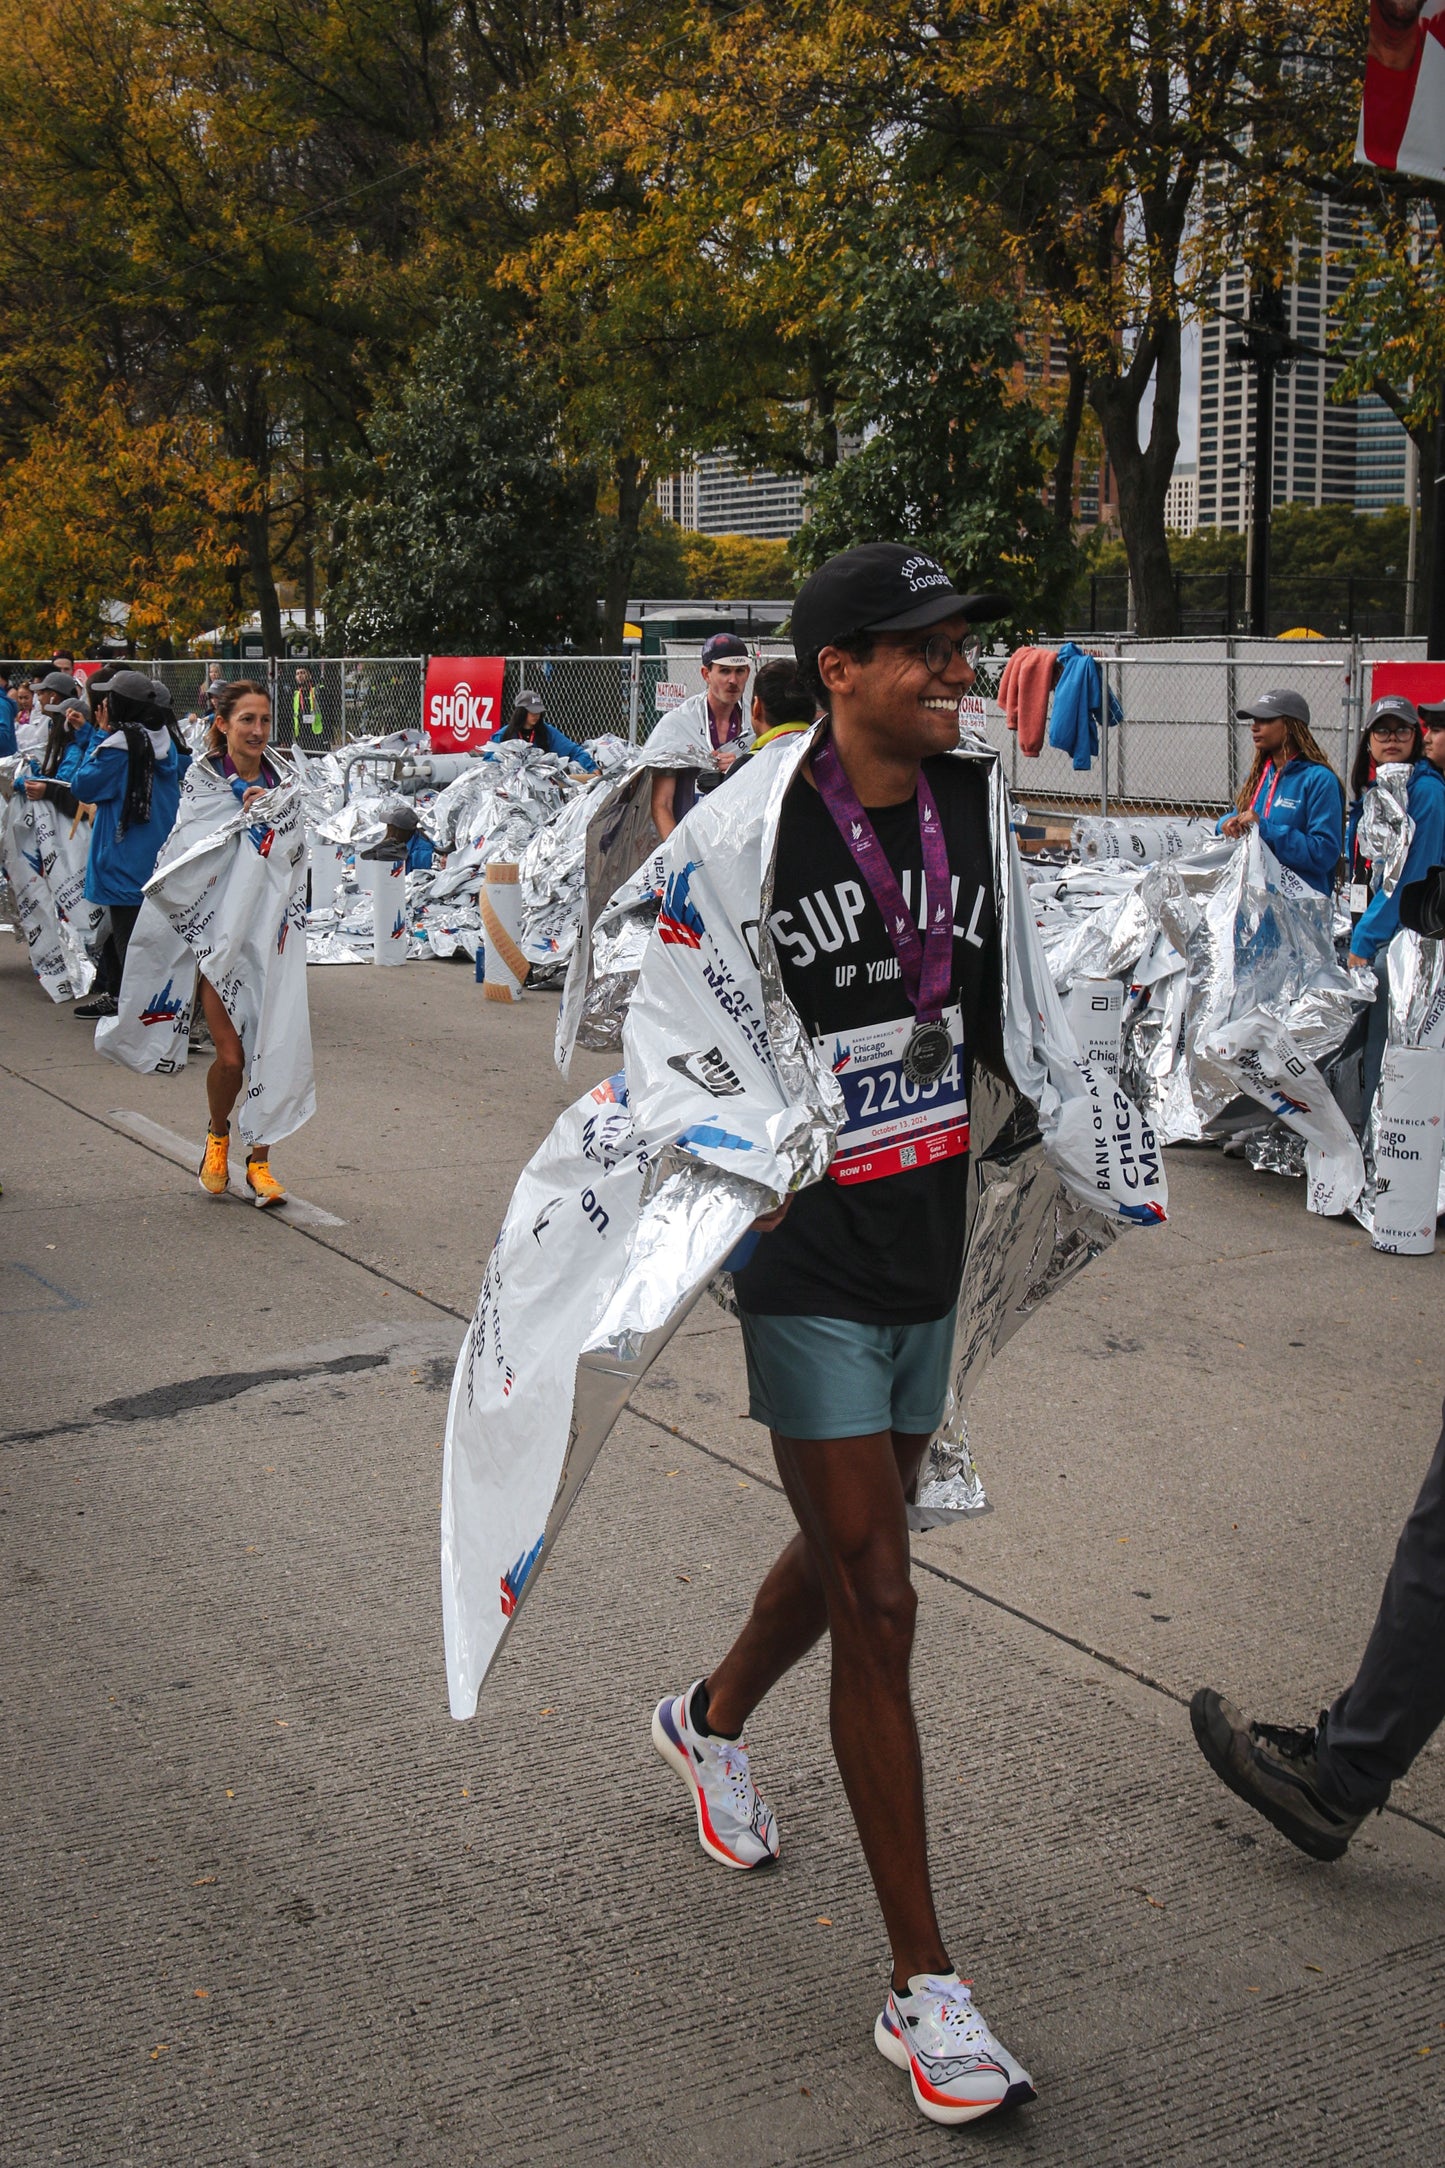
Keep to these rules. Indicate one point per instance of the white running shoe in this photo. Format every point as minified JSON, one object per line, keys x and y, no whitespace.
{"x":734,"y":1826}
{"x":958,"y":2070}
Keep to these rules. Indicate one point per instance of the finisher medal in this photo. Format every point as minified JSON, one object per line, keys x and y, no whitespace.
{"x":925,"y":962}
{"x":927,"y":1054}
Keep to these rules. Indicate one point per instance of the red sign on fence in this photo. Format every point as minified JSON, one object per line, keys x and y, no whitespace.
{"x":1416,"y":680}
{"x":463,"y":703}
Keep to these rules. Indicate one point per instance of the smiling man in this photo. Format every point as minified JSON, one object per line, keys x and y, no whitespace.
{"x":703,"y":736}
{"x":884,"y":922}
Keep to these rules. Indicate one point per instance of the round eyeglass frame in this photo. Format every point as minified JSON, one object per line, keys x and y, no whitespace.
{"x":939,"y":650}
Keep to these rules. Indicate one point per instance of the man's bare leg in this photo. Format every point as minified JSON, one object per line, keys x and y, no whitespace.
{"x":848,"y":1569}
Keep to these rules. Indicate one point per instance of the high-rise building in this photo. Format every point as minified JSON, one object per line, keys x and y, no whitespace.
{"x":1325,"y":452}
{"x":719,"y":495}
{"x":1096,"y":497}
{"x":1181,"y":499}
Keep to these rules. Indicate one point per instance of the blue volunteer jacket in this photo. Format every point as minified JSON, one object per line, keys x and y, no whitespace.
{"x":120,"y":865}
{"x":1301,"y":810}
{"x":7,"y":726}
{"x":1079,"y":705}
{"x":549,"y":739}
{"x":419,"y":854}
{"x":76,"y":754}
{"x":1425,"y":804}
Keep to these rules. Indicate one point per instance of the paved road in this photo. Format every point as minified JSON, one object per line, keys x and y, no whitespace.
{"x":264,"y":1903}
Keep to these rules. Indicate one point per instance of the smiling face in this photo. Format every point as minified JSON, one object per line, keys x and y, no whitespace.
{"x":897,"y":697}
{"x":247,"y":731}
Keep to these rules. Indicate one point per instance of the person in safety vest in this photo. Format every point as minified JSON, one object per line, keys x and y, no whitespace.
{"x":307,"y":728}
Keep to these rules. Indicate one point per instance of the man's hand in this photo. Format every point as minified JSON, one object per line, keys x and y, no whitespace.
{"x":726,"y":755}
{"x":770,"y":1220}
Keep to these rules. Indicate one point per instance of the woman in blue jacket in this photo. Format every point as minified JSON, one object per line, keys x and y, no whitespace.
{"x":1291,"y":794}
{"x":72,"y":735}
{"x":527,"y":723}
{"x":133,"y":779}
{"x":1392,"y":735}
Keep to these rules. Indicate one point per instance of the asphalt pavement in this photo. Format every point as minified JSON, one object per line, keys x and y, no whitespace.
{"x":264,"y":1903}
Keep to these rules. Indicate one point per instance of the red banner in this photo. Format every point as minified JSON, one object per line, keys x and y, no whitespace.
{"x":1416,"y":680}
{"x":463,"y":703}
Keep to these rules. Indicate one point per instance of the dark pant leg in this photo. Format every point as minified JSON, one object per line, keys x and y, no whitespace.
{"x":110,"y":964}
{"x":1376,"y":1029}
{"x":1378,"y":1726}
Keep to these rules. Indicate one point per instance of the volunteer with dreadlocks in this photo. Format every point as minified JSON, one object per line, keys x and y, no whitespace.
{"x":226,"y":899}
{"x":884,"y":920}
{"x":1291,"y":794}
{"x":132,"y":777}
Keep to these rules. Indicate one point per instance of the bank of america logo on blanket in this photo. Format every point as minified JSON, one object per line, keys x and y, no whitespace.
{"x":516,"y":1577}
{"x":162,"y":1008}
{"x":680,"y":921}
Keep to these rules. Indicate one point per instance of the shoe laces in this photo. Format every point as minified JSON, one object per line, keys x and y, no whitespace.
{"x":953,"y":2009}
{"x":732,"y":1761}
{"x":1291,"y":1741}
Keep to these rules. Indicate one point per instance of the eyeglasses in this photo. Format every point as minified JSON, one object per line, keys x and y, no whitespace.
{"x":939,"y":650}
{"x":1393,"y":730}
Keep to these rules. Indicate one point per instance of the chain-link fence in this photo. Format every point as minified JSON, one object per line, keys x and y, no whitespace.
{"x":1175,"y":748}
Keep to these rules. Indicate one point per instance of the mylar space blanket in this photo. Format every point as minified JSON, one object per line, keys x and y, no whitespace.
{"x":1235,"y":989}
{"x":44,"y":854}
{"x":644,"y":1187}
{"x":228,"y":896}
{"x":1413,"y":968}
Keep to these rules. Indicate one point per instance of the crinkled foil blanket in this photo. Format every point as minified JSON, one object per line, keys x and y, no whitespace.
{"x":522,"y":805}
{"x":1220,"y":945}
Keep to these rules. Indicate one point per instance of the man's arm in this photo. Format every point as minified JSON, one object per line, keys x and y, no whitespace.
{"x":664,"y":788}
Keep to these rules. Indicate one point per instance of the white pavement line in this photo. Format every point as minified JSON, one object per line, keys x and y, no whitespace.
{"x":183,"y":1151}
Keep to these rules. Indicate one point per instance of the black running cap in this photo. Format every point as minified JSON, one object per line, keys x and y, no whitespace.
{"x":881,"y":587}
{"x":1271,"y":707}
{"x":1431,"y":712}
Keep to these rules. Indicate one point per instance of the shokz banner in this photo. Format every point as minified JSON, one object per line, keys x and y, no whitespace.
{"x":463,"y":702}
{"x":1402,"y":113}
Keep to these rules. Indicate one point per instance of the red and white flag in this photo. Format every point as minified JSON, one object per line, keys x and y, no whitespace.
{"x":1402,"y":113}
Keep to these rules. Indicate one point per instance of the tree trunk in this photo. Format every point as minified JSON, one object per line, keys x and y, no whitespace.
{"x":1143,"y":473}
{"x":632,"y":486}
{"x":257,"y":523}
{"x":1070,"y":424}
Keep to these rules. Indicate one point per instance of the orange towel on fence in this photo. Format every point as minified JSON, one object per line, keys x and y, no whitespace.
{"x":1023,"y":694}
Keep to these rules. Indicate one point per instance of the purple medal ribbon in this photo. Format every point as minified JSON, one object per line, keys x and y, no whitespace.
{"x":925,"y":962}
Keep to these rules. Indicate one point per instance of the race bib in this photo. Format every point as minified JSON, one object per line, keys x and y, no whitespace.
{"x":890,"y":1124}
{"x":1359,"y":899}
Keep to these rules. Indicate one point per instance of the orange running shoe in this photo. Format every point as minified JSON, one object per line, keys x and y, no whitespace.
{"x":214,"y":1164}
{"x":262,"y":1183}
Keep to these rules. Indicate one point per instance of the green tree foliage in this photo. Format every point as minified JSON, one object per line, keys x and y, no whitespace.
{"x":465,"y":524}
{"x":954,"y":458}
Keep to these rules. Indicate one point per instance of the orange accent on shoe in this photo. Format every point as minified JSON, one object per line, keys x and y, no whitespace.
{"x":262,"y":1183}
{"x":214,"y":1162}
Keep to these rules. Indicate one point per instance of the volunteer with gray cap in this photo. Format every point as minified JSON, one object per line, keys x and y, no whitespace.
{"x":133,"y":779}
{"x":527,"y":723}
{"x":883,"y":917}
{"x":702,"y":736}
{"x":1291,"y":794}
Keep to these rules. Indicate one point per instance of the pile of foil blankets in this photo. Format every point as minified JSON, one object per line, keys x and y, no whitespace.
{"x":1242,"y":1023}
{"x":521,"y":805}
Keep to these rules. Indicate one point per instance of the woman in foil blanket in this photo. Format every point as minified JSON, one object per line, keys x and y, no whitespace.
{"x":44,"y":851}
{"x":228,"y":902}
{"x":848,"y":1079}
